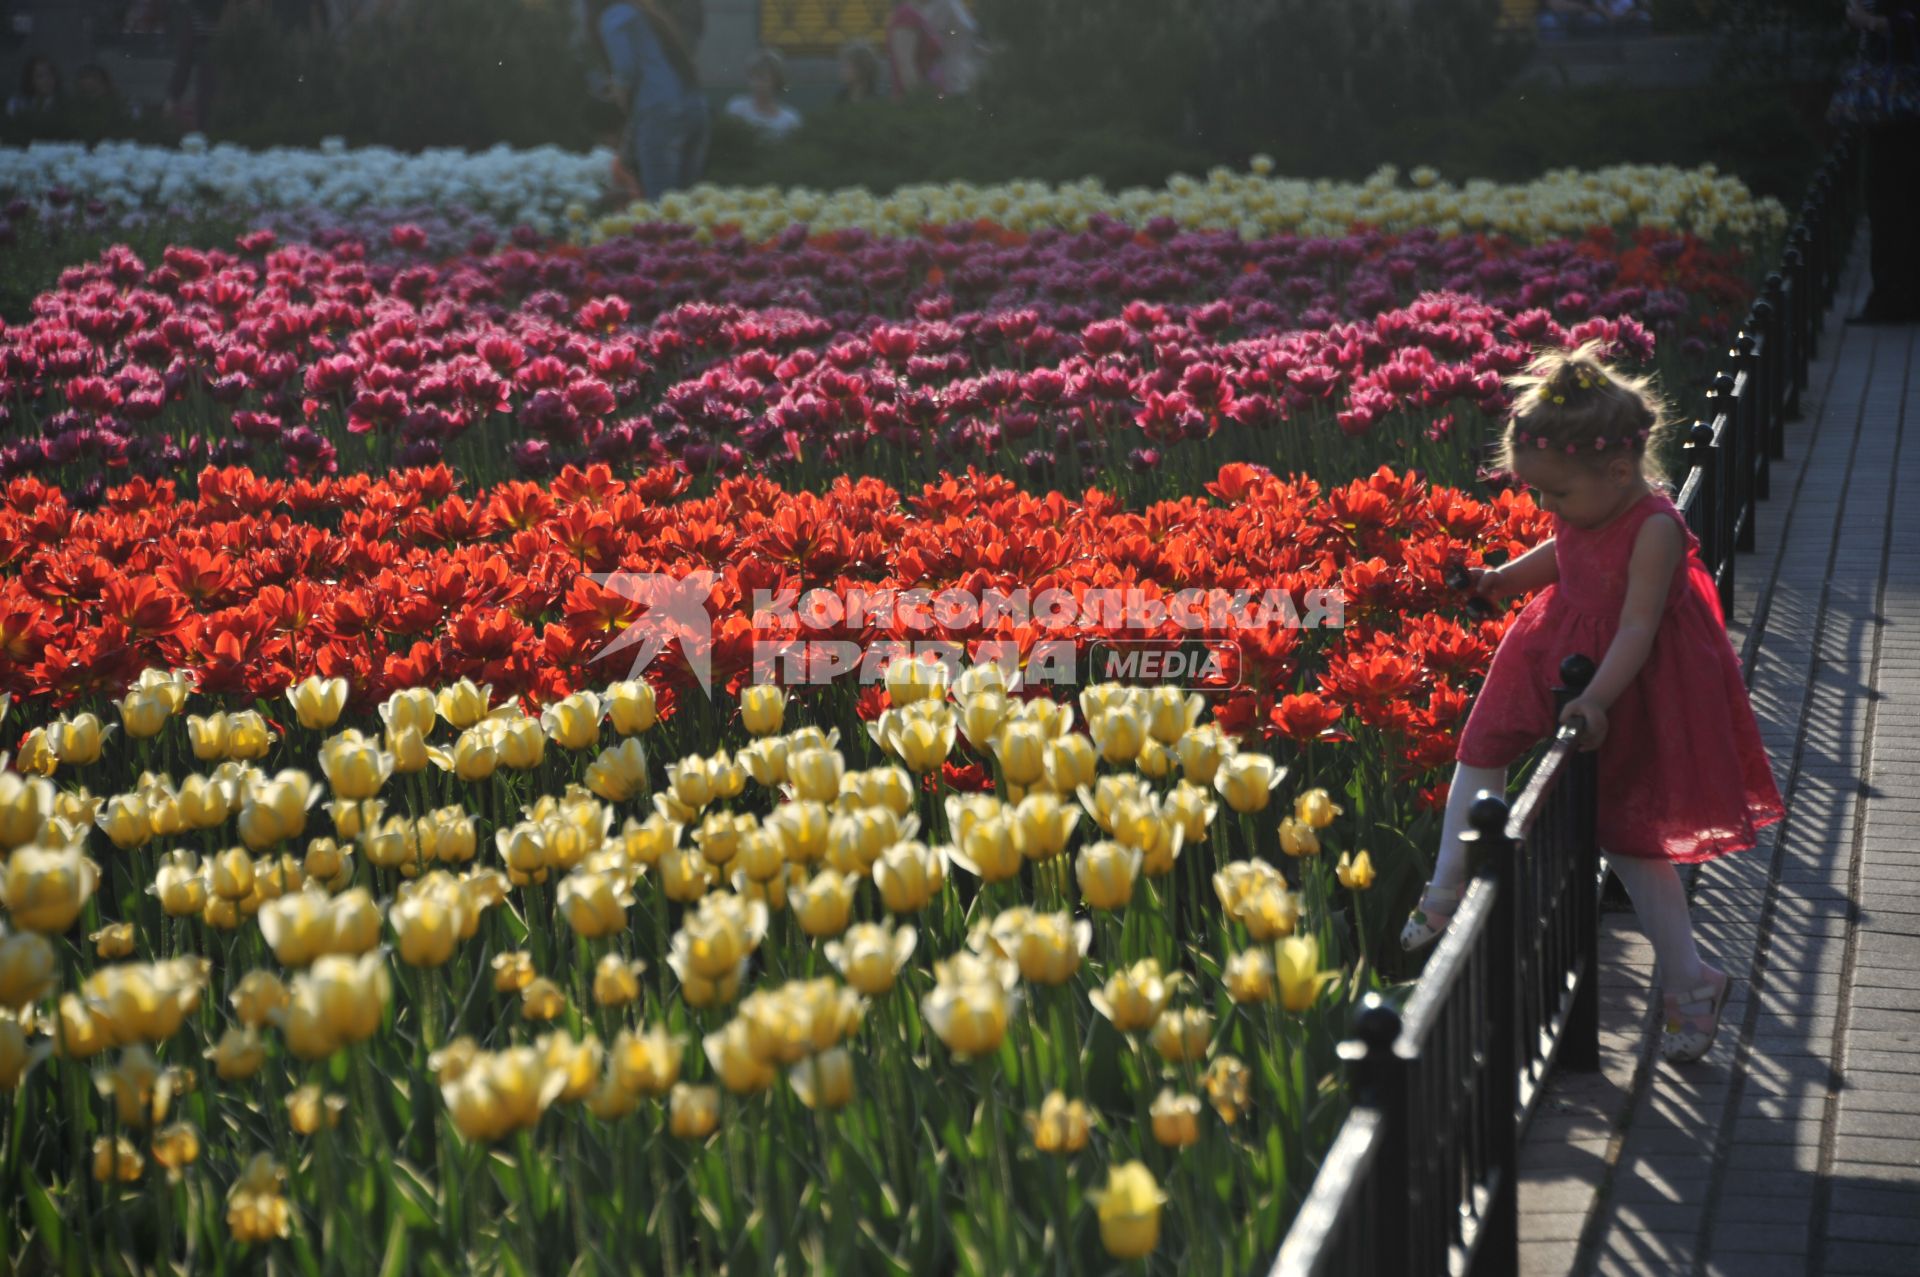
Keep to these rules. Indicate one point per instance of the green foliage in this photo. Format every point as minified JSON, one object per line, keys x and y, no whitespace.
{"x":468,"y":73}
{"x":1231,"y":77}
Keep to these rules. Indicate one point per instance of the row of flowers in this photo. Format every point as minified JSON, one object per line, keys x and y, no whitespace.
{"x":645,"y":983}
{"x":535,"y":187}
{"x":1257,"y":203}
{"x":826,"y":352}
{"x":548,"y":188}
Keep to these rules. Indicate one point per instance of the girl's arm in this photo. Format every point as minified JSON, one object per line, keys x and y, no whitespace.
{"x":1534,"y":570}
{"x":1657,"y":553}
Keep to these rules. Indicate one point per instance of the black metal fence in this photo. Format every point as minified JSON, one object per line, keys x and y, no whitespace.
{"x":1422,"y":1177}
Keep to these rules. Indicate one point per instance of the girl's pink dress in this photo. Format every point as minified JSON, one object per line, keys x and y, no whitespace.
{"x":1682,"y":772}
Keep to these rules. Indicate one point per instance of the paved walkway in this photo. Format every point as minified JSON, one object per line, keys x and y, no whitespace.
{"x":1794,"y":1148}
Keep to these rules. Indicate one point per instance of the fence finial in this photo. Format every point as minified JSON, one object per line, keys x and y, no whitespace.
{"x":1576,"y":672}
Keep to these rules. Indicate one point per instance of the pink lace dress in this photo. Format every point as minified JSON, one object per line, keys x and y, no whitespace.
{"x":1683,"y":773}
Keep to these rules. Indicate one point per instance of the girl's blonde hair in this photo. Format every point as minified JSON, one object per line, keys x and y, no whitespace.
{"x":1572,"y":403}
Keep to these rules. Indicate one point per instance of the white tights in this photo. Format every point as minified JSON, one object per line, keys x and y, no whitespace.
{"x":1659,"y":897}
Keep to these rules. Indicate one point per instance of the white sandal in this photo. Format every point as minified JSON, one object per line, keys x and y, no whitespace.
{"x":1429,"y":922}
{"x":1693,"y":1020}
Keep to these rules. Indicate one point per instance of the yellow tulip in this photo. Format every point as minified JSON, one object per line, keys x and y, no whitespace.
{"x":970,"y":1010}
{"x":356,"y":922}
{"x":910,"y":679}
{"x":1119,"y":732}
{"x":116,"y":1160}
{"x":1106,"y":873}
{"x":1049,"y":947}
{"x":646,"y":1062}
{"x":734,"y":1061}
{"x":577,"y":1063}
{"x":143,"y":714}
{"x":317,"y":702}
{"x":238,"y":1055}
{"x":1129,"y":1211}
{"x":204,"y":803}
{"x":1355,"y":871}
{"x":1297,"y":838}
{"x":1297,"y":972}
{"x":823,"y":905}
{"x":981,"y":717}
{"x":231,"y":874}
{"x":114,"y":941}
{"x":1072,"y":761}
{"x":824,"y":1081}
{"x":815,"y":774}
{"x":25,"y":805}
{"x":180,"y":885}
{"x":594,"y":904}
{"x":870,"y":955}
{"x":512,"y":971}
{"x":309,"y":1108}
{"x":411,"y":709}
{"x":1132,"y":997}
{"x":683,"y":875}
{"x":1182,"y":1036}
{"x":693,"y":1111}
{"x":802,"y":826}
{"x":1201,"y":751}
{"x":464,"y":704}
{"x":574,"y":722}
{"x":986,"y":848}
{"x":1269,"y":911}
{"x":26,"y":969}
{"x":1246,"y":781}
{"x":1042,"y":824}
{"x":257,"y":1209}
{"x":631,"y":707}
{"x":616,"y":981}
{"x":1229,"y":1087}
{"x":427,"y":928}
{"x":1248,"y":976}
{"x":355,"y":767}
{"x":36,"y":755}
{"x":909,"y":875}
{"x":1021,"y":747}
{"x":78,"y":741}
{"x":1172,"y":713}
{"x":258,"y":997}
{"x":476,"y":753}
{"x":1314,"y":809}
{"x":619,"y":773}
{"x":763,"y":708}
{"x":542,"y":1000}
{"x":1175,"y":1119}
{"x":45,"y":888}
{"x":1061,"y":1126}
{"x":408,"y":749}
{"x":141,"y":1091}
{"x":248,"y":736}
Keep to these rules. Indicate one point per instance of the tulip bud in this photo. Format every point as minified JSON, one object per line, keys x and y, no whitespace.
{"x":1060,"y":1126}
{"x":309,"y":1108}
{"x":1249,"y":976}
{"x":1132,"y":997}
{"x":317,"y":702}
{"x":44,"y":888}
{"x":1182,"y":1036}
{"x":1229,"y":1087}
{"x":573,"y":722}
{"x":869,"y":956}
{"x":427,"y":927}
{"x":630,"y":706}
{"x":144,"y":713}
{"x":1129,"y":1211}
{"x":1247,"y":781}
{"x":1297,"y":838}
{"x":1355,"y":872}
{"x":238,"y":1055}
{"x":824,"y":1081}
{"x":248,"y":736}
{"x":1176,"y":1119}
{"x":594,"y":904}
{"x":464,"y":704}
{"x":116,"y":1160}
{"x":78,"y":741}
{"x":1314,"y":809}
{"x":823,"y":905}
{"x":616,"y":981}
{"x":25,"y":805}
{"x":763,"y":708}
{"x":409,"y":710}
{"x":693,"y":1111}
{"x":1106,"y":872}
{"x":815,"y":774}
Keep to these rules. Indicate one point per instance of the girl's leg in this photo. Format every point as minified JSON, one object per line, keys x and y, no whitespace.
{"x":1450,"y":871}
{"x":1442,"y":895}
{"x":1660,"y":902}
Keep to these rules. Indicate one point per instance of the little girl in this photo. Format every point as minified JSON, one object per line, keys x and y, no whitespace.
{"x":1683,"y":776}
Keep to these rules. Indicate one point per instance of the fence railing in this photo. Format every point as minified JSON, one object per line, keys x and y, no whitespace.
{"x":1422,"y":1177}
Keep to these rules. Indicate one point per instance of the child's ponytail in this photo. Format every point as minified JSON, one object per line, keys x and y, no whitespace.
{"x":1572,"y":402}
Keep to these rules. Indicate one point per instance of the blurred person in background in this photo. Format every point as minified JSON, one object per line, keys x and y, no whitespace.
{"x":914,"y":49}
{"x":649,"y":48}
{"x":40,"y":92}
{"x":859,"y":72}
{"x":97,"y":105}
{"x":761,"y":106}
{"x":1889,"y":124}
{"x":961,"y":49}
{"x":190,"y":26}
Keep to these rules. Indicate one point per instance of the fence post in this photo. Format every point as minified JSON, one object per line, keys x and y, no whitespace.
{"x":1497,"y":1250}
{"x":1755,"y":408}
{"x":1766,"y":313}
{"x":1580,"y":1045}
{"x":1378,"y":1075}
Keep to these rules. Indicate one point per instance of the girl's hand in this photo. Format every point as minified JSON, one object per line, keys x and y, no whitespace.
{"x":1488,"y":585}
{"x":1590,"y":717}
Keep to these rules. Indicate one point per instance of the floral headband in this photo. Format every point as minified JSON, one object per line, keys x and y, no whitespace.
{"x":1526,"y":439}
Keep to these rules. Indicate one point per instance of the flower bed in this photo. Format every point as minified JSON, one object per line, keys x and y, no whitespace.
{"x":1083,"y":919}
{"x":899,"y":357}
{"x":1562,"y":203}
{"x":534,"y":186}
